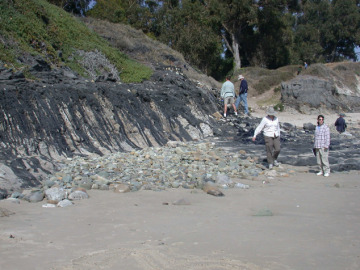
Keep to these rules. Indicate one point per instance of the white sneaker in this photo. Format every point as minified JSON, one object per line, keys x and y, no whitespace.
{"x":319,"y":173}
{"x":225,"y":115}
{"x":276,"y":163}
{"x":326,"y":174}
{"x":270,"y":166}
{"x":235,"y":113}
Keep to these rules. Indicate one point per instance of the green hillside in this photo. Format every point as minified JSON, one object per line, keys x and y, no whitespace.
{"x":35,"y":27}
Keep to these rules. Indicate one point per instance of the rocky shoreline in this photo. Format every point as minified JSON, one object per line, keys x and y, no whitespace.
{"x":178,"y":164}
{"x":55,"y":130}
{"x":211,"y":164}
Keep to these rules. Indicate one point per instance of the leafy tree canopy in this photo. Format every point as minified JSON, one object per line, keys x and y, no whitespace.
{"x":266,"y":33}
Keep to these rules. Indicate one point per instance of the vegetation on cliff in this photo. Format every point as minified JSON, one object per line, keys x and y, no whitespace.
{"x":35,"y":27}
{"x":220,"y":36}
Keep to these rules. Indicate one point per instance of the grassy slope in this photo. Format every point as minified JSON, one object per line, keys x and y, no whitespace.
{"x":38,"y":28}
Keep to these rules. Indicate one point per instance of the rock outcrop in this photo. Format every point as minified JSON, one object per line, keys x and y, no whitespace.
{"x":62,"y":115}
{"x":324,"y":89}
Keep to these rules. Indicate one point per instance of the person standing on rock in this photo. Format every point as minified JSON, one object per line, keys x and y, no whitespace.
{"x":321,"y":146}
{"x":242,"y":94}
{"x":271,"y":130}
{"x":340,"y":123}
{"x":228,"y":94}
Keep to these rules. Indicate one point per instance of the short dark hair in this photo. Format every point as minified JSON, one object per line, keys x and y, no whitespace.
{"x":228,"y":77}
{"x":321,"y":116}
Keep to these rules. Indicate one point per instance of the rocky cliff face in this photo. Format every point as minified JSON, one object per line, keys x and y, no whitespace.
{"x":60,"y":115}
{"x":324,"y":88}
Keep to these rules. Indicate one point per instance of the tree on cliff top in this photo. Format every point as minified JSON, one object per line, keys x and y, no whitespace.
{"x":73,"y":6}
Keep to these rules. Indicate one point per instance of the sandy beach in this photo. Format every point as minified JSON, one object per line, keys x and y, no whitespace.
{"x":297,"y":222}
{"x":302,"y":221}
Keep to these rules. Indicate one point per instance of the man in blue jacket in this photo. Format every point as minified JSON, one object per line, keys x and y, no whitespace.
{"x":242,"y":94}
{"x":340,"y":123}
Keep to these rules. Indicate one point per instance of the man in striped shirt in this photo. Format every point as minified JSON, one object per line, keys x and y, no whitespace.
{"x":321,"y":146}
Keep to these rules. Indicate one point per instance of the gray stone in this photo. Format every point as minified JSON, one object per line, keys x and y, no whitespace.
{"x":67,"y":178}
{"x":13,"y":200}
{"x":309,"y":126}
{"x":78,"y":195}
{"x":310,"y":94}
{"x":65,"y":203}
{"x":36,"y":196}
{"x":55,"y":194}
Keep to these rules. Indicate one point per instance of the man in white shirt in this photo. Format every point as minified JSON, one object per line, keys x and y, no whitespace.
{"x":271,"y":130}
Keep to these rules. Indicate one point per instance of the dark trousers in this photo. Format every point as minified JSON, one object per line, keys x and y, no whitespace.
{"x":272,"y":148}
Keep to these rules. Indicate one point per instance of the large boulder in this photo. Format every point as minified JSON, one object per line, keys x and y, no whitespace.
{"x":310,"y":94}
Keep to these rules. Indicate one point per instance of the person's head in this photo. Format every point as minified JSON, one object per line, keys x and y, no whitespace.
{"x":342,"y":114}
{"x":241,"y":77}
{"x":320,"y":119}
{"x":271,"y":112}
{"x":228,"y":78}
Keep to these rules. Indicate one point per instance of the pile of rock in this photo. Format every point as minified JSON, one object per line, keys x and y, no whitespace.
{"x":187,"y":165}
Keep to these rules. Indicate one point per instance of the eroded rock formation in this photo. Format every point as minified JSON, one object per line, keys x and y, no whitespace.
{"x":330,"y":88}
{"x":60,"y":114}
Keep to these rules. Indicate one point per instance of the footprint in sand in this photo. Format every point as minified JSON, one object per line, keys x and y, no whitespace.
{"x":152,"y":259}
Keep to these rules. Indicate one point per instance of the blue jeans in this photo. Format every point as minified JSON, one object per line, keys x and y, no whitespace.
{"x":243,"y":98}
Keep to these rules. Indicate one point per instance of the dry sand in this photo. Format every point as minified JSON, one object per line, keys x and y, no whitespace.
{"x":299,"y":222}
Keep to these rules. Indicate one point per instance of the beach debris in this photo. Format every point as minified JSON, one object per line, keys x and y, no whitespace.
{"x":49,"y":205}
{"x":5,"y":212}
{"x":263,"y":213}
{"x":181,"y":202}
{"x":241,"y":185}
{"x":212,"y":190}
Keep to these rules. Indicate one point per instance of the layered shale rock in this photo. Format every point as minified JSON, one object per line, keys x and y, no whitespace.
{"x":62,"y":115}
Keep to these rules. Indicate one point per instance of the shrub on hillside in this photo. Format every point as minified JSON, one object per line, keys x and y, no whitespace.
{"x":37,"y":27}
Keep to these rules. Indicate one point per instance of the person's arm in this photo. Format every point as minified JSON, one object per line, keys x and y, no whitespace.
{"x":259,"y":128}
{"x":327,"y":138}
{"x":278,"y":129}
{"x":233,"y":90}
{"x":222,"y":93}
{"x":241,"y":90}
